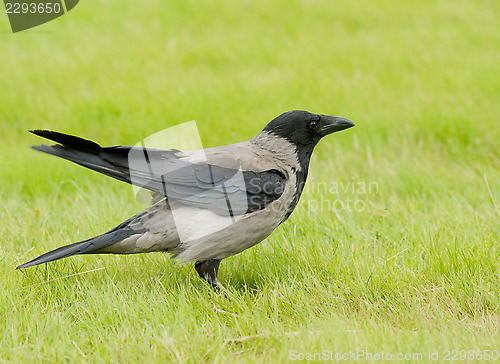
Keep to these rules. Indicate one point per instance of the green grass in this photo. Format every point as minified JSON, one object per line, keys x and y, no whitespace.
{"x":412,"y":268}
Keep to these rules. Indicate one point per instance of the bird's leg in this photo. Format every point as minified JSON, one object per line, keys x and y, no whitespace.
{"x":207,"y":269}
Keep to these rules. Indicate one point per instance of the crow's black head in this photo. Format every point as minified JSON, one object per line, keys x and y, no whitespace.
{"x":305,"y":129}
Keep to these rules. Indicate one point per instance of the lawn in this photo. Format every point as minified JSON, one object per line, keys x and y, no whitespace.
{"x":395,"y":244}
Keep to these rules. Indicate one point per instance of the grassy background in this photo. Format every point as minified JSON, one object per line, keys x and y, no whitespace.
{"x":412,"y":267}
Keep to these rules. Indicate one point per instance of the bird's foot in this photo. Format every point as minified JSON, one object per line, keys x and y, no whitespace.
{"x":208,"y":270}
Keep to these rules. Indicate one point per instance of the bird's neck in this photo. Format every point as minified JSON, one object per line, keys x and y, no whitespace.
{"x":296,"y":158}
{"x":304,"y":154}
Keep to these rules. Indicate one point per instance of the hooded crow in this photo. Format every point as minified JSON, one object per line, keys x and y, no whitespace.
{"x":207,"y":204}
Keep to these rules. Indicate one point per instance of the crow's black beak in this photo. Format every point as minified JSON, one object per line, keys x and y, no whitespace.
{"x":333,"y":124}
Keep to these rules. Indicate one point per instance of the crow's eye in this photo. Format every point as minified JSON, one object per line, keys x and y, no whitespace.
{"x":313,"y":124}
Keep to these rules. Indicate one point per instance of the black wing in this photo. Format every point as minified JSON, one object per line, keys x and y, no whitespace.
{"x":217,"y":184}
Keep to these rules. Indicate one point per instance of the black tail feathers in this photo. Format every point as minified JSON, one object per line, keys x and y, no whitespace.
{"x":69,"y":141}
{"x":111,"y":161}
{"x":82,"y":247}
